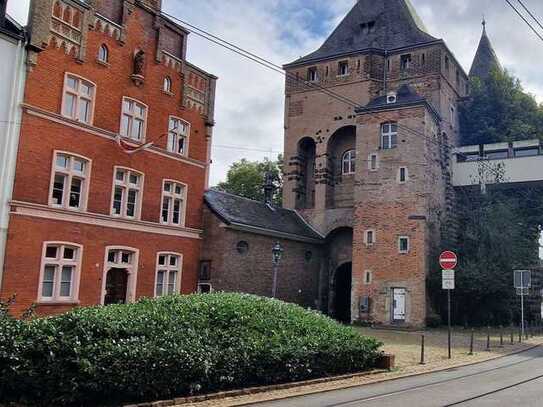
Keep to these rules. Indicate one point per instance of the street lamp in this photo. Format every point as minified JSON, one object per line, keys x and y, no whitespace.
{"x":277,"y":253}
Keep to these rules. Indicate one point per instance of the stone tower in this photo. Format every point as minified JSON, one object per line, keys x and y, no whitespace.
{"x":369,"y":119}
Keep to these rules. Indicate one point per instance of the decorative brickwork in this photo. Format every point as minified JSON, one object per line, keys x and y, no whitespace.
{"x":52,"y":124}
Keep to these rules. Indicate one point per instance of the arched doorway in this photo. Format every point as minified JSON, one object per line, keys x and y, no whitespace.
{"x":342,"y":299}
{"x":116,"y":286}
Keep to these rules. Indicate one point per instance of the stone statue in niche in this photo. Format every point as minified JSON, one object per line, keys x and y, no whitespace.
{"x":139,"y":63}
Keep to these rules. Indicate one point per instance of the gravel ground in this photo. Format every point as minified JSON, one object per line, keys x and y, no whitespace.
{"x":406,"y":347}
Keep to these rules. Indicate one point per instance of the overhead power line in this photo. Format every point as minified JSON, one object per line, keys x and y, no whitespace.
{"x":531,"y":14}
{"x":525,"y":19}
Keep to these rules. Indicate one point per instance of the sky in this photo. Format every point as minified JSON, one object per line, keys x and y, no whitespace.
{"x":250,"y":98}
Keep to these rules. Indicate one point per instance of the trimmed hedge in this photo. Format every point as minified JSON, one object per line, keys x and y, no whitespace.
{"x":171,"y":347}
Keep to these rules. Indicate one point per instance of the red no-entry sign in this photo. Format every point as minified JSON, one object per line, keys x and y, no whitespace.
{"x":448,"y":260}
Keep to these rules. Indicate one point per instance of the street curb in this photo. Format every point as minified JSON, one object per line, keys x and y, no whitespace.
{"x":263,"y":389}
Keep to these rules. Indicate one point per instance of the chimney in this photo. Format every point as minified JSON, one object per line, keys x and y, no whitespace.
{"x":269,"y":189}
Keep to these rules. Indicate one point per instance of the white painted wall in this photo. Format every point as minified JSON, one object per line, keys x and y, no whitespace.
{"x":12,"y":74}
{"x":520,"y":169}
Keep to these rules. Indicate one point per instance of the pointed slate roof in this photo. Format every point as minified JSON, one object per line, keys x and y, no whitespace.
{"x":374,"y":24}
{"x":485,"y":59}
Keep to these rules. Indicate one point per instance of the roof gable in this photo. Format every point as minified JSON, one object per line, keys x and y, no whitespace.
{"x":371,"y":24}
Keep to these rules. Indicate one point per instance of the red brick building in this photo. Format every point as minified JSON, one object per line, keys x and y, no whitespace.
{"x":91,"y":221}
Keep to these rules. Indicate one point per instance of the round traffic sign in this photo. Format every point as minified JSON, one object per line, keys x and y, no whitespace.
{"x":448,"y":260}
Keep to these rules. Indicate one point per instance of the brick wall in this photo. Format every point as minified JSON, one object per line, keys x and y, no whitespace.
{"x":44,"y":130}
{"x":298,"y":275}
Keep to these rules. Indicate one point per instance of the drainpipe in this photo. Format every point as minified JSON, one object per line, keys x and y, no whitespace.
{"x":385,"y":69}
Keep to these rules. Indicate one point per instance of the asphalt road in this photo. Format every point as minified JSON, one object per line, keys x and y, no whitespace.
{"x":515,"y":380}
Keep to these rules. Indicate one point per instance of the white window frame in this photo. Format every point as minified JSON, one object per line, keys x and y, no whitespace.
{"x":349,"y":159}
{"x":127,"y":186}
{"x":172,"y":196}
{"x":400,"y":238}
{"x":340,"y":65}
{"x":103,"y":54}
{"x":406,"y":173}
{"x":368,"y":281}
{"x":370,"y":162}
{"x":70,"y":173}
{"x":176,"y":133}
{"x":387,"y":136}
{"x":78,"y":95}
{"x":167,"y":84}
{"x":131,"y":115}
{"x":367,"y":233}
{"x":167,"y":268}
{"x":312,"y":74}
{"x":131,"y":268}
{"x":59,"y":263}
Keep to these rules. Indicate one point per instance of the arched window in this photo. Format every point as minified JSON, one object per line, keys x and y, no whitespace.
{"x":57,"y":10}
{"x":167,"y":84}
{"x":389,"y":136}
{"x":67,"y":17}
{"x":349,"y":162}
{"x":103,"y":53}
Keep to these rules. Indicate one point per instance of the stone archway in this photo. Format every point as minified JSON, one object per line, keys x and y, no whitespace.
{"x":340,"y":188}
{"x":339,"y":247}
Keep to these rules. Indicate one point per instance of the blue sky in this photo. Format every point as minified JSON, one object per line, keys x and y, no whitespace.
{"x":250,"y":98}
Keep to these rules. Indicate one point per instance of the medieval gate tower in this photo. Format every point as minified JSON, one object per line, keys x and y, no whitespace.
{"x":369,"y":121}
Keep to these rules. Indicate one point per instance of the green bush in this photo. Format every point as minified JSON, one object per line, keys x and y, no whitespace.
{"x":171,"y":347}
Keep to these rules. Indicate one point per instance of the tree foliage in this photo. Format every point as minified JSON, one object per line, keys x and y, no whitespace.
{"x":499,"y":110}
{"x":246,"y":178}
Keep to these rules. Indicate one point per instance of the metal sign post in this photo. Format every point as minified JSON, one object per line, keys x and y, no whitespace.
{"x":522,"y":281}
{"x":448,"y":261}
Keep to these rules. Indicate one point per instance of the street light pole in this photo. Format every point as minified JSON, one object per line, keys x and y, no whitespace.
{"x":277,"y":253}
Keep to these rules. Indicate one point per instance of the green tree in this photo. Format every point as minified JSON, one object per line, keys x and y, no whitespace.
{"x":246,"y":178}
{"x":499,"y":110}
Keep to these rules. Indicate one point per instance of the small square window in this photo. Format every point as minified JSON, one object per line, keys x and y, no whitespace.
{"x":62,"y":161}
{"x":51,"y":252}
{"x":368,"y":277}
{"x":343,"y":68}
{"x":120,"y":175}
{"x":134,"y":179}
{"x":69,"y":253}
{"x":405,"y":62}
{"x":111,"y":257}
{"x":79,"y":165}
{"x":373,"y":164}
{"x":167,"y":187}
{"x":402,"y":175}
{"x":312,"y":75}
{"x":173,"y":260}
{"x":162,"y":260}
{"x":125,"y":258}
{"x":370,"y":237}
{"x":403,"y":244}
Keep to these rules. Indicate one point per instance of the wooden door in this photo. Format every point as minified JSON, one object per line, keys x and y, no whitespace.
{"x":116,"y":286}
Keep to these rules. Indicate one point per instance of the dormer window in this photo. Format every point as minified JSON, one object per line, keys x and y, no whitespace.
{"x":312,"y":74}
{"x":405,"y":62}
{"x":343,"y":68}
{"x":368,"y":28}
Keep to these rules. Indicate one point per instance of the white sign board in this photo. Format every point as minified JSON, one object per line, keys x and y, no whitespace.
{"x":448,"y":280}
